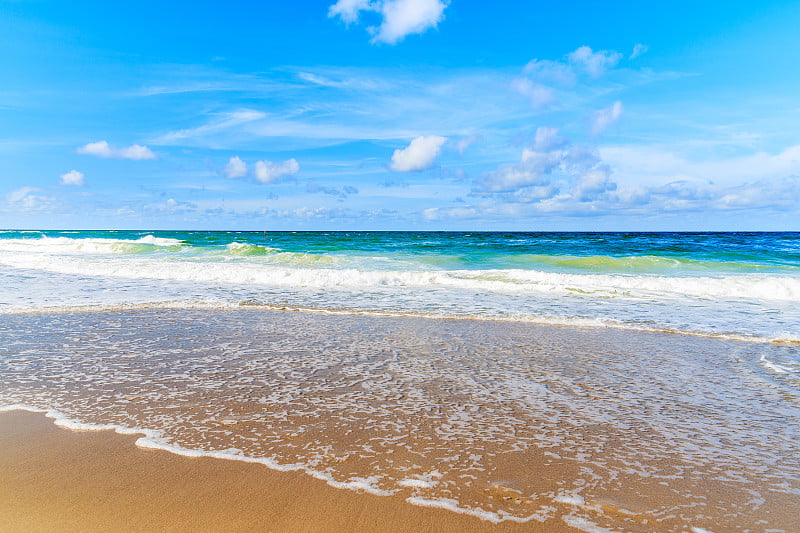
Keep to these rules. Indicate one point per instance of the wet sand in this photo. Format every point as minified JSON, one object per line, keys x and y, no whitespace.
{"x":600,"y":429}
{"x":54,"y":479}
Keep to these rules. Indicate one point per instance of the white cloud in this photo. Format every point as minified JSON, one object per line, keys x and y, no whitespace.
{"x":136,"y":152}
{"x":348,"y":10}
{"x":542,"y":80}
{"x":171,"y":206}
{"x":604,"y":118}
{"x":73,"y":177}
{"x":667,"y":163}
{"x":399,"y":17}
{"x":638,"y":49}
{"x":419,"y":155}
{"x":97,"y":149}
{"x":220,"y":123}
{"x":465,"y":143}
{"x":443,"y":213}
{"x":404,"y":17}
{"x":594,"y":63}
{"x":594,"y":183}
{"x":557,"y":177}
{"x":552,"y":168}
{"x":269,"y":172}
{"x":18,"y":194}
{"x":547,"y":139}
{"x":549,"y":71}
{"x":25,"y":199}
{"x":317,"y":213}
{"x":104,"y":150}
{"x":236,"y":168}
{"x":540,"y":95}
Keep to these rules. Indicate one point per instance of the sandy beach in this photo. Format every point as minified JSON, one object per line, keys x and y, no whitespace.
{"x":339,"y":422}
{"x":54,"y":479}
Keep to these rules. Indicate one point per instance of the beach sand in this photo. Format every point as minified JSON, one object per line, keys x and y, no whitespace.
{"x":597,"y":428}
{"x":54,"y":479}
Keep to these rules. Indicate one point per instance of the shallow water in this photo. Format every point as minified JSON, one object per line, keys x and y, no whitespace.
{"x":605,"y":428}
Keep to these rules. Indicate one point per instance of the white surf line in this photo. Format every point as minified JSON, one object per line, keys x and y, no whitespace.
{"x":784,"y":338}
{"x":152,"y":440}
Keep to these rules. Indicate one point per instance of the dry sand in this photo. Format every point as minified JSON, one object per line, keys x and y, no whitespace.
{"x":53,"y":479}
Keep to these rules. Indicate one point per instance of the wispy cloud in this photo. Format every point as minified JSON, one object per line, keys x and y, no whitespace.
{"x":220,"y":122}
{"x":540,"y":95}
{"x":329,"y":106}
{"x":547,"y":83}
{"x":27,"y":199}
{"x":606,"y":117}
{"x":18,"y":194}
{"x":666,"y":163}
{"x":638,"y":50}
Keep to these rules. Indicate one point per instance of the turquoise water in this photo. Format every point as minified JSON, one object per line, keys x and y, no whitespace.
{"x":730,"y":284}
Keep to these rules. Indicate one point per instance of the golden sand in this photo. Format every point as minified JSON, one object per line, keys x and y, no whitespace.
{"x":53,"y":479}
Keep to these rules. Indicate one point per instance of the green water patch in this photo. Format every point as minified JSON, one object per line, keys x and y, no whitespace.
{"x":652,"y":264}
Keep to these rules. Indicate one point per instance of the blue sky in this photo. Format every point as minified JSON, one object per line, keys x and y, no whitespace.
{"x":400,"y":114}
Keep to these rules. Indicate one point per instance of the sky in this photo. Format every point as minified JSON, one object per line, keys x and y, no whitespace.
{"x":400,"y":115}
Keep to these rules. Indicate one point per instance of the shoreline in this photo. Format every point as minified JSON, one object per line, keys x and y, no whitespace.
{"x":60,"y":479}
{"x":786,"y":339}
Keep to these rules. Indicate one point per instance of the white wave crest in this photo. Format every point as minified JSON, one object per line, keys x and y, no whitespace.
{"x":652,"y":287}
{"x":89,"y":245}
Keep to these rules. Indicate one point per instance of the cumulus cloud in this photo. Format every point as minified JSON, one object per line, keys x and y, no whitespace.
{"x":399,"y":18}
{"x":136,"y":152}
{"x":269,"y":172}
{"x":551,"y":167}
{"x":97,"y":149}
{"x":557,"y":177}
{"x":419,"y":155}
{"x":594,"y":63}
{"x":73,"y":177}
{"x":236,"y":168}
{"x":604,"y":118}
{"x":105,"y":150}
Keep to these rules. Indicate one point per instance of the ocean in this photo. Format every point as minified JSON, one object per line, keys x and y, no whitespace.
{"x":608,"y":381}
{"x":732,"y":285}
